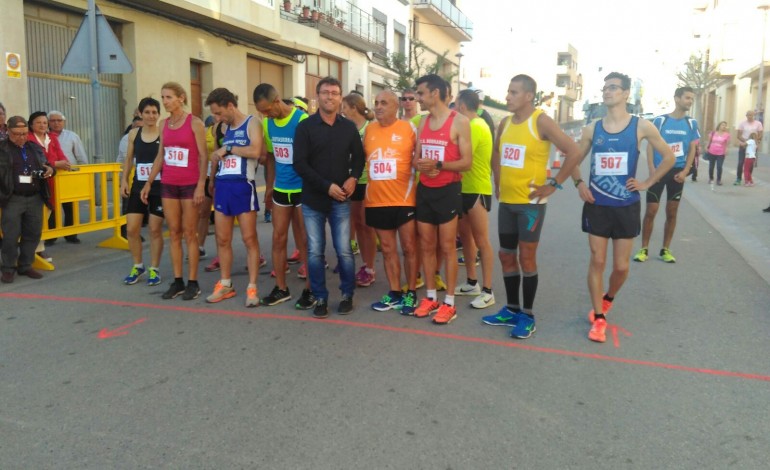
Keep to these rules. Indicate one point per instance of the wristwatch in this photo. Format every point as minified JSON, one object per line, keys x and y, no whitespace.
{"x":228,"y":149}
{"x":439,"y":164}
{"x":553,"y":182}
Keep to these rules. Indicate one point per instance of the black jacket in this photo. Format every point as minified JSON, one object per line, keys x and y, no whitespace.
{"x":7,"y":178}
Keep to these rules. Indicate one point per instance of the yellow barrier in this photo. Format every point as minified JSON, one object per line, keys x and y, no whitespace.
{"x":78,"y":186}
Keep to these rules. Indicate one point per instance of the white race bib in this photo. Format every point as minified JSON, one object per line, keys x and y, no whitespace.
{"x":284,"y":153}
{"x":143,"y":171}
{"x":513,"y":155}
{"x":433,"y":152}
{"x":678,"y":149}
{"x":611,"y":163}
{"x":382,"y":169}
{"x":230,"y":165}
{"x":176,"y":156}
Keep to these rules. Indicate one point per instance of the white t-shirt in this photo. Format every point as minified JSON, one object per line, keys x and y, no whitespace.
{"x":751,"y":148}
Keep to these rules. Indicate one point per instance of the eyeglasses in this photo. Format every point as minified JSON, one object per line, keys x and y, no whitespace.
{"x":333,"y":94}
{"x":612,"y":88}
{"x":407,"y":98}
{"x":56,"y":120}
{"x":17,"y":134}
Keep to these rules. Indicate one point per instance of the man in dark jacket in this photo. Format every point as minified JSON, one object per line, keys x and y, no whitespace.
{"x":22,"y":195}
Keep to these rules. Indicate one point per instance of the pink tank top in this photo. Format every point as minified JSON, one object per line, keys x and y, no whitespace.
{"x":180,"y":155}
{"x":438,"y":145}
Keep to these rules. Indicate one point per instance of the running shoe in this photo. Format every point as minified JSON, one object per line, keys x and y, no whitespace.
{"x":346,"y":305}
{"x":737,"y":183}
{"x":306,"y":301}
{"x":408,"y":303}
{"x":252,"y":300}
{"x":427,"y":307}
{"x":446,"y":313}
{"x":192,"y":291}
{"x":484,"y":300}
{"x":504,"y":317}
{"x":598,"y":331}
{"x":302,"y":272}
{"x":388,"y":302}
{"x":321,"y":309}
{"x":606,"y":307}
{"x":294,"y":258}
{"x":276,"y":296}
{"x":154,"y":278}
{"x":288,"y":270}
{"x":461,"y":260}
{"x":419,"y":284}
{"x":268,"y":216}
{"x":525,"y":326}
{"x":440,"y":284}
{"x":262,"y":262}
{"x":213,"y":266}
{"x":221,"y":292}
{"x":641,"y":256}
{"x":666,"y":256}
{"x":354,"y":247}
{"x":133,"y":276}
{"x":364,"y":278}
{"x":468,"y":289}
{"x":174,"y":290}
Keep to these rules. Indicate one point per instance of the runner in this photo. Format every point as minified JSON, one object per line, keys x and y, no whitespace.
{"x":143,"y":143}
{"x":520,"y":166}
{"x":279,"y":125}
{"x":390,"y":199}
{"x":611,"y":209}
{"x":477,"y":202}
{"x":443,"y":151}
{"x":681,"y":133}
{"x":182,"y":157}
{"x":235,"y":193}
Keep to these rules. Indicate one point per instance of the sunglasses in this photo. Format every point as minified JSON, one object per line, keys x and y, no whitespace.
{"x":407,"y":98}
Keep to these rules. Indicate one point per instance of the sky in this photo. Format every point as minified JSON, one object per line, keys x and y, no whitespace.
{"x":649,"y":39}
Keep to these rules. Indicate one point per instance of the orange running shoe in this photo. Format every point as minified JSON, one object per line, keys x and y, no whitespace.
{"x":446,"y":313}
{"x":606,"y":307}
{"x":598,"y":331}
{"x":221,"y":292}
{"x":427,"y":306}
{"x":252,"y":300}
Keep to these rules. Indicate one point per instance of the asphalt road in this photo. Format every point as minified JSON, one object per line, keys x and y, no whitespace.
{"x":198,"y":386}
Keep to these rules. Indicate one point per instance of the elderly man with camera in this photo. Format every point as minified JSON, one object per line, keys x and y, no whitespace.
{"x":23,"y":167}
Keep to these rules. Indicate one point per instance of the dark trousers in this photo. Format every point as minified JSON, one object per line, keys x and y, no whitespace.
{"x":22,"y":224}
{"x":69,"y":218}
{"x":718,"y":161}
{"x":741,"y":158}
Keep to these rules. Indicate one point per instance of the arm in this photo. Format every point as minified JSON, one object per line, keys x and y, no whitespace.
{"x":496,"y":158}
{"x":199,"y":130}
{"x":80,"y":152}
{"x":127,"y":164}
{"x":358,"y":162}
{"x":650,"y":159}
{"x":302,"y":148}
{"x":654,"y":139}
{"x":739,"y":136}
{"x":254,"y":149}
{"x":550,"y":131}
{"x":418,"y":145}
{"x":682,"y":175}
{"x":584,"y":147}
{"x":156,"y":165}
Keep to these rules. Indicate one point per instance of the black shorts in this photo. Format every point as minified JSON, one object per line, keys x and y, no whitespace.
{"x":673,"y":188}
{"x":438,"y":206}
{"x":174,"y":191}
{"x":359,"y":193}
{"x":285,"y":199}
{"x":388,"y":218}
{"x":469,"y":200}
{"x":612,"y":222}
{"x":134,"y":204}
{"x":519,"y":222}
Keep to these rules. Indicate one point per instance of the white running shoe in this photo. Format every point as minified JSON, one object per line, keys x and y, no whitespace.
{"x":484,"y":300}
{"x":467,"y":289}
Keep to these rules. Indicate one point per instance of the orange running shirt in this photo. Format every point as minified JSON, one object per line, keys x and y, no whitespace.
{"x":389,"y":152}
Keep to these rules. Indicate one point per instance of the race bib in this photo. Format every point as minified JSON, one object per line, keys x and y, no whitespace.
{"x":143,"y":171}
{"x":383,"y":169}
{"x":611,"y":163}
{"x":176,"y":156}
{"x":433,"y":152}
{"x":283,"y":153}
{"x":230,"y":165}
{"x":513,"y":155}
{"x":678,"y":149}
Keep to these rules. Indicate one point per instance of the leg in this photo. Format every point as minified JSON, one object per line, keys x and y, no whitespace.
{"x":672,"y":208}
{"x":447,"y":236}
{"x":741,"y":158}
{"x":223,"y":226}
{"x":528,"y":259}
{"x":598,"y":246}
{"x":204,"y":214}
{"x":407,"y":234}
{"x":712,"y":164}
{"x":315,"y":226}
{"x":479,"y":223}
{"x":621,"y":252}
{"x":10,"y":222}
{"x":649,"y":222}
{"x":427,"y":236}
{"x":190,"y":228}
{"x":298,"y":230}
{"x":720,"y":162}
{"x":469,"y":247}
{"x":156,"y":239}
{"x":172,"y":210}
{"x":248,"y":224}
{"x":389,"y":246}
{"x":339,"y":221}
{"x":365,"y":235}
{"x":282,"y":217}
{"x":134,"y":235}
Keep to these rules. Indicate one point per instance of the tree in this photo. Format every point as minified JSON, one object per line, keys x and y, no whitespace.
{"x":410,"y":70}
{"x":701,"y":76}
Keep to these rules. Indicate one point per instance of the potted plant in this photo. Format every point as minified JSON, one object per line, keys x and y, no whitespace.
{"x":287,"y":6}
{"x":306,"y":11}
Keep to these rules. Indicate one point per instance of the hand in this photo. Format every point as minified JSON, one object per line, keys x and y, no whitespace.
{"x":199,"y":194}
{"x":211,"y":186}
{"x":585,"y":193}
{"x":218,"y":155}
{"x":337,"y":193}
{"x":540,"y":192}
{"x":48,"y":172}
{"x":680,"y":177}
{"x":62,"y":164}
{"x":145,"y":193}
{"x":123,"y":189}
{"x":634,"y":185}
{"x":426,"y":165}
{"x":349,"y":186}
{"x":497,"y":192}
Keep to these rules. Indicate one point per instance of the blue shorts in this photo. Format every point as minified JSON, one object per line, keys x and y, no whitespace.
{"x":235,"y":197}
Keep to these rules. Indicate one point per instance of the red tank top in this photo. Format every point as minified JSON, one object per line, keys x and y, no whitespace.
{"x":181,"y":159}
{"x":438,"y":145}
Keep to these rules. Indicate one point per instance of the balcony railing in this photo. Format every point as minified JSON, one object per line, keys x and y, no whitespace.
{"x":451,"y":13}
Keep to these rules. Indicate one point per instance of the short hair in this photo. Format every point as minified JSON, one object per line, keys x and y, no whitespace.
{"x":56,"y":113}
{"x":148,"y":102}
{"x":177,"y":89}
{"x":264,"y":91}
{"x":16,"y":122}
{"x":682,"y":90}
{"x":327,"y":81}
{"x":470,"y":99}
{"x":221,"y":97}
{"x":356,"y":100}
{"x":356,"y":92}
{"x":625,"y":80}
{"x":36,"y":115}
{"x":408,"y":91}
{"x":527,"y":83}
{"x":2,"y":106}
{"x":434,"y":82}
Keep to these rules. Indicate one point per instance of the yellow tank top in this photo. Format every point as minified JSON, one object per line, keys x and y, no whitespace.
{"x":523,"y":160}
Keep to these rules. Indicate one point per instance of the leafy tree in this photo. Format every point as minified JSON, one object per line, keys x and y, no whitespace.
{"x":701,"y":76}
{"x":409,"y":71}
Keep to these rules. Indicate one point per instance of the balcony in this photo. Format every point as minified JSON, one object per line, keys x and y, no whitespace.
{"x":444,"y":13}
{"x":342,"y":22}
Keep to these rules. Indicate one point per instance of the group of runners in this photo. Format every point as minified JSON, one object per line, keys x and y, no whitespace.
{"x":427,"y":178}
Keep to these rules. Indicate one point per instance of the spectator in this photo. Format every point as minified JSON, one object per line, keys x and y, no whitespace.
{"x":123,"y":145}
{"x":716,"y":150}
{"x":742,"y":133}
{"x":73,"y":149}
{"x":3,"y":125}
{"x":22,"y":195}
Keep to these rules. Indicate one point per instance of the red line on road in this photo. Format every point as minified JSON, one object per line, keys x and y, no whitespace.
{"x":434,"y":334}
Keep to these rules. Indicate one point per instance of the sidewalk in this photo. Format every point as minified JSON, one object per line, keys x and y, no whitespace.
{"x":736,"y":211}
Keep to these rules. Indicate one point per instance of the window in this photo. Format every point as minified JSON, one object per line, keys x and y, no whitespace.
{"x":399,"y":38}
{"x":380,"y":26}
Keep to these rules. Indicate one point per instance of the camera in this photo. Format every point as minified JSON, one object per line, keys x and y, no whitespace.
{"x":39,"y":174}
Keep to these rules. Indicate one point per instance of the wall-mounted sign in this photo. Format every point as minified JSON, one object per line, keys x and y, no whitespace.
{"x":13,"y":64}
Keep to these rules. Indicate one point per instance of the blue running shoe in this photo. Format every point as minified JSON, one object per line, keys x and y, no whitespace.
{"x":133,"y":276}
{"x":525,"y":326}
{"x":408,"y":303}
{"x":388,"y":301}
{"x":154,"y":279}
{"x":504,"y":317}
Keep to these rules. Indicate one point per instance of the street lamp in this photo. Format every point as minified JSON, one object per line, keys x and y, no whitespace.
{"x":764,"y":6}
